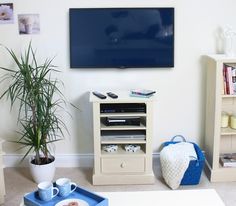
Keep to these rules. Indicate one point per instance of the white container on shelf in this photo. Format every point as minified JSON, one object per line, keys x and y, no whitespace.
{"x":224,"y":120}
{"x":233,"y":122}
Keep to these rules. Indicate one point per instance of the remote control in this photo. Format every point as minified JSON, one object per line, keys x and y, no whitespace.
{"x":112,"y":95}
{"x":99,"y":95}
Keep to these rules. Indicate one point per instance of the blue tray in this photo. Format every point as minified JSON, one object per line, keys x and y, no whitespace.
{"x":32,"y":199}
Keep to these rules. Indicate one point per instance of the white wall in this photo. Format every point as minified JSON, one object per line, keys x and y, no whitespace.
{"x":180,"y":91}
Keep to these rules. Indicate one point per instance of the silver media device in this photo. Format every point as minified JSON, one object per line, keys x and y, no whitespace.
{"x":115,"y":135}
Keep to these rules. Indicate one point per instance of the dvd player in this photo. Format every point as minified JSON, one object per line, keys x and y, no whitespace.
{"x":123,"y":107}
{"x":113,"y":121}
{"x":118,"y":135}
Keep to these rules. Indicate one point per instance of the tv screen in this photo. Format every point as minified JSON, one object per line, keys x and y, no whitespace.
{"x":121,"y":37}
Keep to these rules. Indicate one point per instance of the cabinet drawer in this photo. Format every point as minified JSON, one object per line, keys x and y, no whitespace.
{"x":120,"y":165}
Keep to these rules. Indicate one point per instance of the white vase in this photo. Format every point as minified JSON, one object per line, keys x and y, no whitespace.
{"x":42,"y":173}
{"x":229,"y":46}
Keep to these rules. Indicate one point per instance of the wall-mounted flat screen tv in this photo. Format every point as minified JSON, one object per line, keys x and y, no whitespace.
{"x":121,"y":37}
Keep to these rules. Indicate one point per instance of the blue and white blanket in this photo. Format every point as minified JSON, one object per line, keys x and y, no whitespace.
{"x":175,"y":159}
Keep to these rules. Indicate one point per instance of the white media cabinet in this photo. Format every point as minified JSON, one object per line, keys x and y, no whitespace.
{"x":122,"y":167}
{"x":218,"y":140}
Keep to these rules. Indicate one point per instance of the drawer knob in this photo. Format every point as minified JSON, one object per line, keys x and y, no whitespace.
{"x":122,"y":165}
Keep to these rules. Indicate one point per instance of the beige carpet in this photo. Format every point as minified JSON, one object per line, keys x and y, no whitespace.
{"x":18,"y":182}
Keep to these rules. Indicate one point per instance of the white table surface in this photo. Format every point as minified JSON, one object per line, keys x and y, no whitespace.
{"x":204,"y":197}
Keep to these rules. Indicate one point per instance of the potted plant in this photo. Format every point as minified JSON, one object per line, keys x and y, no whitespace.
{"x":32,"y":88}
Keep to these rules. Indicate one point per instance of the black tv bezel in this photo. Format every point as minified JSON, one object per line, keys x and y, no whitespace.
{"x":123,"y":67}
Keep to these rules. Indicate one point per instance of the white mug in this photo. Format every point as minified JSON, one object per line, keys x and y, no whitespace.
{"x":65,"y":186}
{"x":46,"y":191}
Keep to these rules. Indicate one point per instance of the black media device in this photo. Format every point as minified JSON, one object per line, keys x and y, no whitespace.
{"x":113,"y":121}
{"x":123,"y":108}
{"x":121,"y":37}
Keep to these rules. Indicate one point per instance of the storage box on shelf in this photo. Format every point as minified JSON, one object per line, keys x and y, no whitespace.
{"x":121,"y":166}
{"x":218,"y":140}
{"x":2,"y":184}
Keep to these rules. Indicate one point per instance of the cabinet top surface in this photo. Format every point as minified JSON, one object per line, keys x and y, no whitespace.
{"x":123,"y":96}
{"x":222,"y":57}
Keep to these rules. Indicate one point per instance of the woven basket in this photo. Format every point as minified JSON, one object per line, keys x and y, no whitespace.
{"x":193,"y":173}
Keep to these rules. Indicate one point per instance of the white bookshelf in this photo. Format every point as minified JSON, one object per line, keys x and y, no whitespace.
{"x":122,"y":167}
{"x":218,"y":140}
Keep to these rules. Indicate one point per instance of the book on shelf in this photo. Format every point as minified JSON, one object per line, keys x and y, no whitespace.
{"x":228,"y":159}
{"x":234,"y":79}
{"x":229,"y":79}
{"x":223,"y":82}
{"x":140,"y":95}
{"x":143,"y":92}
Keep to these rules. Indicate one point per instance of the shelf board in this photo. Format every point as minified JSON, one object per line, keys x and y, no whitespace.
{"x":228,"y":96}
{"x":128,"y":114}
{"x":226,"y":168}
{"x":221,"y":174}
{"x":123,"y":127}
{"x":228,"y":131}
{"x":123,"y":97}
{"x":124,"y":141}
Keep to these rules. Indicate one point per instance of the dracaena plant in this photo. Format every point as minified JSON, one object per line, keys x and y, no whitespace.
{"x":40,"y":101}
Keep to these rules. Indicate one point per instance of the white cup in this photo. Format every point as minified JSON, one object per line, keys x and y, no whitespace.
{"x":46,"y":191}
{"x":65,"y":186}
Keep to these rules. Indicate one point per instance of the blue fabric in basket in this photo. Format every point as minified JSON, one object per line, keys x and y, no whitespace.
{"x":193,"y":173}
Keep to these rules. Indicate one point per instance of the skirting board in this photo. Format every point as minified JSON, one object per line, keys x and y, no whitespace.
{"x":62,"y":160}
